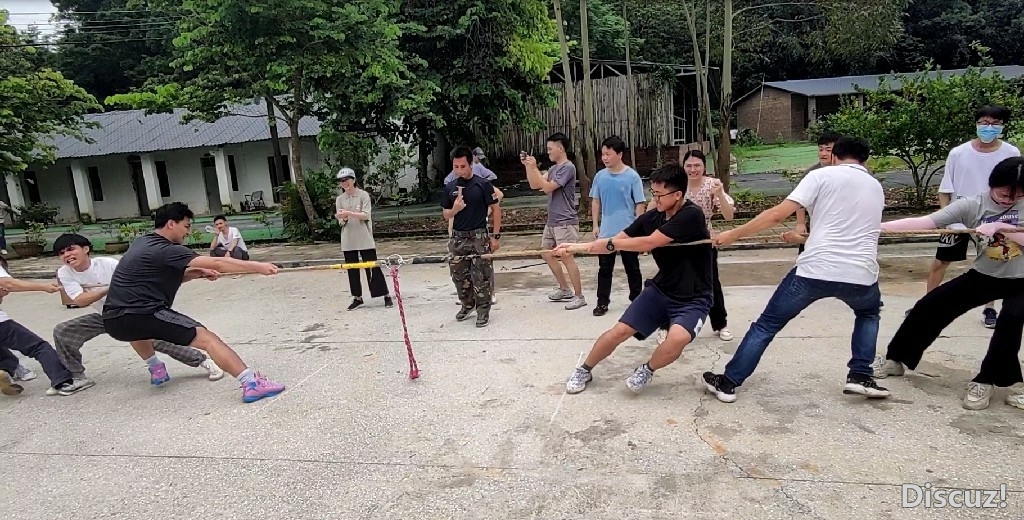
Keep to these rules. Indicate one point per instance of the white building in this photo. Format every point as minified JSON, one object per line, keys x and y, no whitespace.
{"x":137,"y":162}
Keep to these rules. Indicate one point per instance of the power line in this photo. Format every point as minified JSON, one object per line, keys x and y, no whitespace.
{"x":62,"y":42}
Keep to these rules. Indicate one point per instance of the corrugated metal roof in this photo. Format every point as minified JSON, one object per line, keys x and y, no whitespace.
{"x":132,"y":131}
{"x":849,"y":84}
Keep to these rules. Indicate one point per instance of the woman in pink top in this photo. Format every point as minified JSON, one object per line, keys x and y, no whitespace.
{"x":709,"y":194}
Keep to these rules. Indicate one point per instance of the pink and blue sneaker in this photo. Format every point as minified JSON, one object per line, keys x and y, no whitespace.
{"x":259,"y":388}
{"x":158,"y":374}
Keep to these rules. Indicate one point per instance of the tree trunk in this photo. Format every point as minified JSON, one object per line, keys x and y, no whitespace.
{"x":275,"y":142}
{"x":295,"y":149}
{"x":570,"y":93}
{"x":590,"y":134}
{"x":704,"y":123}
{"x":725,"y":109}
{"x":630,"y":101}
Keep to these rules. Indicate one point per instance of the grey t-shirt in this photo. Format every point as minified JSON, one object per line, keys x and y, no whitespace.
{"x":1000,"y":259}
{"x":356,"y":235}
{"x":148,"y":276}
{"x":562,"y":203}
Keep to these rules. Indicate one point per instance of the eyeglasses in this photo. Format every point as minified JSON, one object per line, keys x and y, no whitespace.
{"x":657,"y":196}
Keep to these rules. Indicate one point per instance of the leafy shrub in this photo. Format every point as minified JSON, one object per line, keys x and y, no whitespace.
{"x":323,"y":192}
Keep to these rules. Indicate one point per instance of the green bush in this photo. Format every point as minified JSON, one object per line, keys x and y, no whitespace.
{"x":323,"y":192}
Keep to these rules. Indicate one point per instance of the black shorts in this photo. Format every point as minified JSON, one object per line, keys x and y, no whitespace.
{"x":953,"y":247}
{"x":652,"y":309}
{"x":164,"y":324}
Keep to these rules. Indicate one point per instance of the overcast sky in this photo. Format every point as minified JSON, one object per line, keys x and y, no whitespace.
{"x":29,"y":12}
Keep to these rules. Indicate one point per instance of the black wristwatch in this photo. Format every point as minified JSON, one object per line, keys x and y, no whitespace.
{"x":610,"y":246}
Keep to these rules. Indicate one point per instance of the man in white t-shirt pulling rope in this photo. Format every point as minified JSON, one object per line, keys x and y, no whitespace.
{"x":966,"y":175}
{"x":840,"y":261}
{"x":85,"y":280}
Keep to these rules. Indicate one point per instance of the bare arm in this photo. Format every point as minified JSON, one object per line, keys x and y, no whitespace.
{"x":595,"y":214}
{"x":496,"y":218}
{"x":223,"y":264}
{"x":641,"y":208}
{"x":16,"y":285}
{"x":801,"y":220}
{"x":537,"y":180}
{"x":945,"y":199}
{"x":88,"y":298}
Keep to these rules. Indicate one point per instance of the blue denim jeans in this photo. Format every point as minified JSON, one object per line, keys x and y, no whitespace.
{"x":795,"y":294}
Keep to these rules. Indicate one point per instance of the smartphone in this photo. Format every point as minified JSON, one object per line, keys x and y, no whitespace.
{"x":522,"y":155}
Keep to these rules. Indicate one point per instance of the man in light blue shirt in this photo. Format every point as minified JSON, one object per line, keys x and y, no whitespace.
{"x":617,"y":198}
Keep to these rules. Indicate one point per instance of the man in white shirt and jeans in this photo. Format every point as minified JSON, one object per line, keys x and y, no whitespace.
{"x":85,"y":280}
{"x":840,"y":261}
{"x":966,"y":175}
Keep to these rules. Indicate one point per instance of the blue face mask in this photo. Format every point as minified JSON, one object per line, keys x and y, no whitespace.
{"x":989,"y":133}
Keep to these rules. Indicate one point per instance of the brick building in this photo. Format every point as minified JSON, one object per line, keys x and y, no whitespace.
{"x":781,"y":111}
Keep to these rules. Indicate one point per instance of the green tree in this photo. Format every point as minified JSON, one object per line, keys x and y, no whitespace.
{"x":35,"y":104}
{"x":925,"y":118}
{"x":340,"y":63}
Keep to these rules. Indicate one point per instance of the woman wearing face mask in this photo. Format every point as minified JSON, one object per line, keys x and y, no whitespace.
{"x":709,"y":194}
{"x":997,"y":274}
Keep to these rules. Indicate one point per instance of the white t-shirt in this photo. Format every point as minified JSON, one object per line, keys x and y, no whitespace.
{"x":967,"y":170}
{"x":3,"y":315}
{"x":232,"y":234}
{"x":846,"y":203}
{"x":100,"y":271}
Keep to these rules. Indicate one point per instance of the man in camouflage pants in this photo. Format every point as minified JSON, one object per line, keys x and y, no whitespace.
{"x":465,"y":201}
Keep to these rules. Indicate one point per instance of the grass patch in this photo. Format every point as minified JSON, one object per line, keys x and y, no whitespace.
{"x":769,"y":158}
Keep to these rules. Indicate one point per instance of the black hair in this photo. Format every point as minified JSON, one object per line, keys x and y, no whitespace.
{"x":70,"y":239}
{"x":614,"y":143}
{"x":671,"y":175}
{"x":1009,"y":173}
{"x":997,"y":112}
{"x":698,"y":154}
{"x":464,"y":152}
{"x":852,"y":148}
{"x":220,"y":217}
{"x":176,"y":211}
{"x":561,"y":139}
{"x":828,"y":137}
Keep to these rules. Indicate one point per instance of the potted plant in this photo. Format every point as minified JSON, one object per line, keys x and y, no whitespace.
{"x":119,"y":232}
{"x":34,"y":241}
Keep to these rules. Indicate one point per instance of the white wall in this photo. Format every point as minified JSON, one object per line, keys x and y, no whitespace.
{"x":407,"y":177}
{"x":184,"y":176}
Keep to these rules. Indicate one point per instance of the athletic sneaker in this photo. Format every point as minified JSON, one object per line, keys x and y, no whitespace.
{"x":561,"y":295}
{"x":640,"y":378}
{"x":724,"y":334}
{"x":978,"y":396}
{"x":215,"y":372}
{"x":1016,"y":398}
{"x":259,"y":388}
{"x":883,"y":368}
{"x":578,"y":380}
{"x":8,"y":386}
{"x":720,"y":386}
{"x":989,"y":318}
{"x":576,"y":302}
{"x":22,"y":373}
{"x":356,"y":302}
{"x":158,"y":374}
{"x":464,"y":313}
{"x":71,"y":387}
{"x":866,"y":386}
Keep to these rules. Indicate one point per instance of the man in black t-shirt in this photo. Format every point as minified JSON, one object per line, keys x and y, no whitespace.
{"x":465,"y":201}
{"x":680,"y":293}
{"x":142,"y":290}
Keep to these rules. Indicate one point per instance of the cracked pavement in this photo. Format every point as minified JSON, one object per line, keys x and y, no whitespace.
{"x":486,"y":431}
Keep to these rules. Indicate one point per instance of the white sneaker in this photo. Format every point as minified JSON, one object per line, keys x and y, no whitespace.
{"x":561,"y":295}
{"x":978,"y":396}
{"x":725,"y":335}
{"x":883,"y":368}
{"x":1016,"y":399}
{"x":22,"y":373}
{"x":214,"y":370}
{"x":575,"y":303}
{"x":3,"y":252}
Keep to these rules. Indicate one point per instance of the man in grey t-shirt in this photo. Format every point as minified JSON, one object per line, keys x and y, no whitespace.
{"x":563,"y":225}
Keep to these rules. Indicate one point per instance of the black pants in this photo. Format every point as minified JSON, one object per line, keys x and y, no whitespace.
{"x":947,"y":302}
{"x":718,"y":315}
{"x":606,"y":263}
{"x":374,"y":277}
{"x":236,"y":253}
{"x":14,"y":336}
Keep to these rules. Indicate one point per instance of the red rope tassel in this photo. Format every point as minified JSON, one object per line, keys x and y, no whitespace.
{"x":414,"y":371}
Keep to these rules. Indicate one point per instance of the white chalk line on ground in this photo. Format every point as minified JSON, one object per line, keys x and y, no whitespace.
{"x":566,"y":390}
{"x":288,"y":388}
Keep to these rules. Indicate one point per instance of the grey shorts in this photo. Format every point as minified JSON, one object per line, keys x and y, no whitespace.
{"x":557,"y":235}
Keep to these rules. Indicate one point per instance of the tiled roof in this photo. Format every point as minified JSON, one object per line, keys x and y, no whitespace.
{"x":849,"y":84}
{"x":132,"y":131}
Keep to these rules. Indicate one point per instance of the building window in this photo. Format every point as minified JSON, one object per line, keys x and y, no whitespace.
{"x":234,"y":173}
{"x":278,"y":179}
{"x":32,"y":186}
{"x":161,"y":178}
{"x":94,"y":184}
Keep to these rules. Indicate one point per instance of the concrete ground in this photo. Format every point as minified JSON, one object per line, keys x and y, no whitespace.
{"x":486,"y":431}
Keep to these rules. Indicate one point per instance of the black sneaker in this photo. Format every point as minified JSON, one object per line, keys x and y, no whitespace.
{"x":464,"y":313}
{"x":482,"y":319}
{"x":388,"y":302}
{"x":356,"y":302}
{"x":600,"y":310}
{"x":720,"y":386}
{"x":866,"y":386}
